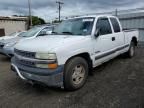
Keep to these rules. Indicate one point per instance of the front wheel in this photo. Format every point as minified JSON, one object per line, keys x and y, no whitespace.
{"x":76,"y":72}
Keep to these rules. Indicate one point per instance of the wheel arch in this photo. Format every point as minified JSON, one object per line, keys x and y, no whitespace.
{"x":84,"y":55}
{"x":134,"y":39}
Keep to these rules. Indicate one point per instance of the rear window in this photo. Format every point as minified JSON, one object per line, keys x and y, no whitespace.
{"x":115,"y":24}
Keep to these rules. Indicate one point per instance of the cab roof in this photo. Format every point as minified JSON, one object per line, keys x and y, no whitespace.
{"x":95,"y":16}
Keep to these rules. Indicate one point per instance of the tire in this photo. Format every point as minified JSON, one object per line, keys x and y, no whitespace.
{"x":131,"y":51}
{"x":75,"y":74}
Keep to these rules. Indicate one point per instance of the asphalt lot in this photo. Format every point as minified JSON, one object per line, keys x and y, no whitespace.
{"x":118,"y":83}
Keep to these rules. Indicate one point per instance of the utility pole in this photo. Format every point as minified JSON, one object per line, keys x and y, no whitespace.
{"x":116,"y":12}
{"x":59,"y":8}
{"x":30,"y":15}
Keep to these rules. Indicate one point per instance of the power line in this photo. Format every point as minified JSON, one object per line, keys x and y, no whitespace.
{"x":59,"y":8}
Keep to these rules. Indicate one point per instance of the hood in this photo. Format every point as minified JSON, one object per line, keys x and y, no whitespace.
{"x":12,"y":39}
{"x":6,"y":37}
{"x":48,"y":43}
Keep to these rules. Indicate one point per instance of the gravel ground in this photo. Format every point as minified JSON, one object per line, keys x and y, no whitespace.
{"x":118,"y":83}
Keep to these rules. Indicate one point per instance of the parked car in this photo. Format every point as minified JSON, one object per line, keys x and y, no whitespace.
{"x":77,"y":45}
{"x":7,"y":45}
{"x":12,"y":35}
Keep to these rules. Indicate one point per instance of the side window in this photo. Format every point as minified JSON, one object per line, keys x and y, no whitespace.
{"x":115,"y":24}
{"x":103,"y":26}
{"x":45,"y":31}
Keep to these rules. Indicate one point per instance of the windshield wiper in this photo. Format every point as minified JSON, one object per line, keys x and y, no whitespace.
{"x":68,"y":33}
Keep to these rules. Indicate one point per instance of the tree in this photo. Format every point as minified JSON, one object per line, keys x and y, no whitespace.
{"x":37,"y":21}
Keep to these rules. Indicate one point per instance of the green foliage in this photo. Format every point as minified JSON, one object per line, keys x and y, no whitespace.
{"x":37,"y":21}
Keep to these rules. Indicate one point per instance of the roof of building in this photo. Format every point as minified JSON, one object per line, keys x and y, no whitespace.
{"x":131,"y":15}
{"x":122,"y":14}
{"x":13,"y":18}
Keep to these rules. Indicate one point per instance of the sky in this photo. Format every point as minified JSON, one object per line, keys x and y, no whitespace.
{"x":48,"y":9}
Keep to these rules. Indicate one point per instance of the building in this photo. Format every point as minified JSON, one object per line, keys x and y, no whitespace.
{"x":9,"y":25}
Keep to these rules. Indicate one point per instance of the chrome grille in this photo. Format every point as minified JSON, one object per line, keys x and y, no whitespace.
{"x":24,"y":53}
{"x":25,"y":62}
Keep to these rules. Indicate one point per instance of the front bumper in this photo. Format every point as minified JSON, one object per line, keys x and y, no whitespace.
{"x":50,"y":77}
{"x":7,"y":51}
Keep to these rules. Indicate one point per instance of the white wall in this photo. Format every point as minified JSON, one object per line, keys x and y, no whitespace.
{"x":12,"y":26}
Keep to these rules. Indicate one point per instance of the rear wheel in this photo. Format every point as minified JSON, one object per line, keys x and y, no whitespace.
{"x":76,"y":72}
{"x":131,"y":51}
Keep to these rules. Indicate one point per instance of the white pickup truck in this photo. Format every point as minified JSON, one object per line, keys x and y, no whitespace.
{"x":77,"y":45}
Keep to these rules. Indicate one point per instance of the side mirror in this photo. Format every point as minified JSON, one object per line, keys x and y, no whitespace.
{"x":97,"y":33}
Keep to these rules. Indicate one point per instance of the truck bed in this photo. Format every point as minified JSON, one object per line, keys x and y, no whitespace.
{"x":129,"y":33}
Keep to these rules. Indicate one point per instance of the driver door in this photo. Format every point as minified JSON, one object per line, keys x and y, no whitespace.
{"x":104,"y":44}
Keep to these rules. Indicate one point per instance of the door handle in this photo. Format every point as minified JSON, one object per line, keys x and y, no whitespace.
{"x":113,"y":38}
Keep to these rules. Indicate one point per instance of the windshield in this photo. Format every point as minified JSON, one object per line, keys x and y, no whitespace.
{"x":78,"y":26}
{"x":31,"y":32}
{"x":21,"y":34}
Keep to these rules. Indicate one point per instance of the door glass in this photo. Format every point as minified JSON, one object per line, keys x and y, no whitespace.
{"x":103,"y":26}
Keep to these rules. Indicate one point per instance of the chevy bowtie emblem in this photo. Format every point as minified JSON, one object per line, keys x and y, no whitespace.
{"x":19,"y":57}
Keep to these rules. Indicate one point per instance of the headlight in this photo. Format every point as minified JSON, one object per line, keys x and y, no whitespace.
{"x":46,"y":56}
{"x":10,"y":44}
